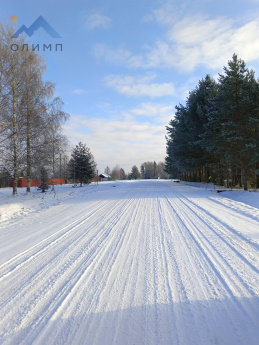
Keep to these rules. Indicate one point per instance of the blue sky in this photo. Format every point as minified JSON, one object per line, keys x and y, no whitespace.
{"x":125,"y":64}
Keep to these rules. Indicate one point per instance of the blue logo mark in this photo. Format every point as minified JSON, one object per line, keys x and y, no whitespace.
{"x":39,"y":23}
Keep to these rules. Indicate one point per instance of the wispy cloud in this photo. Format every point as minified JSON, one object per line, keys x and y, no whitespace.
{"x":118,"y":56}
{"x":79,"y":91}
{"x":193,"y":40}
{"x":96,"y":20}
{"x":170,"y":12}
{"x":190,"y":41}
{"x":139,"y":86}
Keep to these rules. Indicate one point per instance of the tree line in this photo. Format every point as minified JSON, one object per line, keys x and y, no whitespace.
{"x":31,"y":118}
{"x":215,"y":135}
{"x":148,"y":170}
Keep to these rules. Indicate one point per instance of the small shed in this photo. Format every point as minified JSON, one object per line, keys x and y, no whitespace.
{"x":104,"y":177}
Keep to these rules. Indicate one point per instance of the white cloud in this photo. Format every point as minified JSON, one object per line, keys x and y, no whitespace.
{"x":112,"y":141}
{"x":96,"y":20}
{"x":198,"y":29}
{"x":139,"y":87}
{"x":160,"y":113}
{"x":190,"y":41}
{"x":195,"y":40}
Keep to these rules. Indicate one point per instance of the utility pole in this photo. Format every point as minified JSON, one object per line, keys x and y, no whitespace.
{"x":74,"y":174}
{"x":60,"y":171}
{"x":97,"y":177}
{"x":65,"y":169}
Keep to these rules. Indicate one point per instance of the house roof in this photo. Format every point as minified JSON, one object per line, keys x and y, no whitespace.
{"x":104,"y":175}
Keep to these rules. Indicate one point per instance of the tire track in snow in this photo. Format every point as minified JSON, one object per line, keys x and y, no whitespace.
{"x":13,"y":264}
{"x":170,"y":270}
{"x":225,"y":228}
{"x":47,"y":288}
{"x":182,"y":267}
{"x":231,"y":282}
{"x":111,"y":256}
{"x":194,"y":262}
{"x":107,"y":265}
{"x":127,"y":279}
{"x":246,"y":255}
{"x":83,"y":281}
{"x":222,"y":232}
{"x":155,"y":269}
{"x":41,"y":267}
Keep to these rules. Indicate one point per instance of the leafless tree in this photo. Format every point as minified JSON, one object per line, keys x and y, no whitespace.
{"x":30,"y":123}
{"x":11,"y":95}
{"x":57,"y":142}
{"x":115,"y":174}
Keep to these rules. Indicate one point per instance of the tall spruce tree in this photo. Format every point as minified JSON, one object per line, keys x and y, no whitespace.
{"x":231,"y":131}
{"x":197,"y":104}
{"x":177,"y":143}
{"x":217,"y":132}
{"x":82,"y":164}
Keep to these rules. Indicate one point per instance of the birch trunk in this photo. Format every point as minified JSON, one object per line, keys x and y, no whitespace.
{"x":15,"y":139}
{"x":28,"y":172}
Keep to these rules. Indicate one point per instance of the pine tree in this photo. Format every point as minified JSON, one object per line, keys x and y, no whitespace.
{"x":185,"y":152}
{"x":231,"y":129}
{"x":82,"y":164}
{"x":177,"y":143}
{"x":135,"y":174}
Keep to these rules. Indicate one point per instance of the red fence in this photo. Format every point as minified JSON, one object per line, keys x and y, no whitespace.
{"x":22,"y":182}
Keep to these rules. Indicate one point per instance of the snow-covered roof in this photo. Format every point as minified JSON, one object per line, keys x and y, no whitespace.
{"x":104,"y":175}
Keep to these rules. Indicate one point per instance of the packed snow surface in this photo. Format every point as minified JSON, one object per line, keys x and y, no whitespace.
{"x":137,"y":262}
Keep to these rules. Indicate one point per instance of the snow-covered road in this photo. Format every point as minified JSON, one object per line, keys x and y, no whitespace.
{"x":140,"y":262}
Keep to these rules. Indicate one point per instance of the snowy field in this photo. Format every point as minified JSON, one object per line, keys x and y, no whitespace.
{"x":129,"y":263}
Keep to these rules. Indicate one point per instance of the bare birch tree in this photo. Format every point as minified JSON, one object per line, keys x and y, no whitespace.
{"x":30,"y":124}
{"x":11,"y":93}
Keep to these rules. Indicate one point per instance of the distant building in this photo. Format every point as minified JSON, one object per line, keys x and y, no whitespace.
{"x":104,"y":177}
